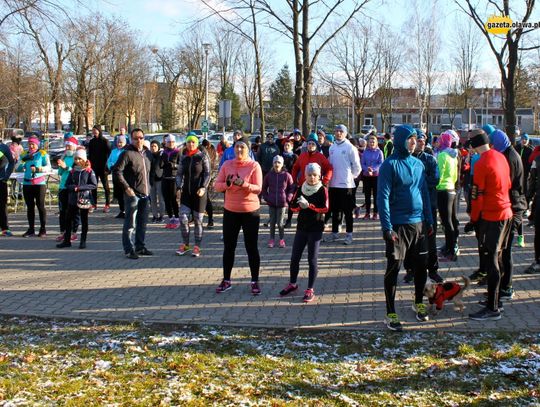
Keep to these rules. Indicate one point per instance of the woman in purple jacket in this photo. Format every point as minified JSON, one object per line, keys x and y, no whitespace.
{"x":277,"y":191}
{"x":371,"y":160}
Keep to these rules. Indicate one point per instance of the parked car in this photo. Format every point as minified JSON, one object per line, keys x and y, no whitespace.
{"x":215,"y":138}
{"x":9,"y":132}
{"x":368,"y":129}
{"x":55,"y":149}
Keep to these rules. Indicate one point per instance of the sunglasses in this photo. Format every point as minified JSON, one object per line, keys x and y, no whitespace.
{"x":138,"y":138}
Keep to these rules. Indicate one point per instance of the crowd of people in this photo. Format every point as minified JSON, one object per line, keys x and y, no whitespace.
{"x":409,"y":182}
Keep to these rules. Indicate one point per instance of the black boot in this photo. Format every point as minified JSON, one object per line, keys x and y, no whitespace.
{"x":63,"y":244}
{"x":82,"y":244}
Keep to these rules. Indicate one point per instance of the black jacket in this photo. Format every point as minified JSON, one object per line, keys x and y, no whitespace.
{"x":85,"y":181}
{"x":311,"y":219}
{"x":193,"y":172}
{"x":517,"y":192}
{"x":99,"y":150}
{"x":132,"y":170}
{"x":156,"y":172}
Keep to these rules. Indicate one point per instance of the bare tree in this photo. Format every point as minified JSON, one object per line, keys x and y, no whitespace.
{"x":301,"y":14}
{"x":424,"y":52}
{"x":467,"y":47}
{"x":507,"y":49}
{"x":242,"y":17}
{"x":53,"y":60}
{"x":356,"y":54}
{"x":46,"y":10}
{"x":388,"y":70}
{"x":248,"y":82}
{"x":226,"y":51}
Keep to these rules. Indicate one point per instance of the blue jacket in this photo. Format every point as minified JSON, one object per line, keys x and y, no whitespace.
{"x":402,"y":196}
{"x":372,"y":157}
{"x":113,"y":157}
{"x":40,"y":160}
{"x":7,"y":163}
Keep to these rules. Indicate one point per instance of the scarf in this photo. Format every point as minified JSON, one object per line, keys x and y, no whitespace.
{"x":308,"y":190}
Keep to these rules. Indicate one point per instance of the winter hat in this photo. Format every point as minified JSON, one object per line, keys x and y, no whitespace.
{"x":525,"y":136}
{"x":488,"y":129}
{"x":71,"y":141}
{"x":478,"y":138}
{"x":420,"y":135}
{"x":120,"y":139}
{"x":68,"y":135}
{"x":500,"y":140}
{"x":313,"y":168}
{"x":155,"y":142}
{"x":445,"y":140}
{"x":278,"y":159}
{"x":34,"y":140}
{"x":341,"y":127}
{"x":193,"y":138}
{"x":192,"y":133}
{"x":296,"y":131}
{"x":80,"y":153}
{"x":330,"y":138}
{"x":170,"y":137}
{"x":312,"y":138}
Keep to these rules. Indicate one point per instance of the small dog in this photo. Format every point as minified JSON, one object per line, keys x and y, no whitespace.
{"x":437,"y":294}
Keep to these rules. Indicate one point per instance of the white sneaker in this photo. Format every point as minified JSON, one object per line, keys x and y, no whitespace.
{"x":348,"y":239}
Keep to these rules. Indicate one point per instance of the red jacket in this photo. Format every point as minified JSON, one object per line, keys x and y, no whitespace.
{"x":443,"y":292}
{"x":491,"y":186}
{"x":298,"y":171}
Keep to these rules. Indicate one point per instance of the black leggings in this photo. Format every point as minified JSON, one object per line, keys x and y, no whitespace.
{"x":370,"y":187}
{"x":341,"y":204}
{"x":105,"y":182}
{"x":63,"y":196}
{"x":118,"y":193}
{"x":447,"y":204}
{"x":312,"y":240}
{"x":249,"y":222}
{"x":73,"y":212}
{"x":3,"y":205}
{"x":209,"y":209}
{"x":34,"y":195}
{"x":168,"y":187}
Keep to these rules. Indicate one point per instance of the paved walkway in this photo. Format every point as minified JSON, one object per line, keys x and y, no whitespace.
{"x":37,"y":279}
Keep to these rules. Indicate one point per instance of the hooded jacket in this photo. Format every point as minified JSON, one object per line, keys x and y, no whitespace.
{"x":345,"y":164}
{"x":402,"y":193}
{"x":278,"y":188}
{"x":432,"y":174}
{"x":448,"y":164}
{"x":265,"y":155}
{"x":502,"y":144}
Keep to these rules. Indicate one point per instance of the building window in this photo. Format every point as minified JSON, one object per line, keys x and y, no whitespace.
{"x":368,"y":120}
{"x":497,"y":120}
{"x":406,"y":118}
{"x":519,"y":121}
{"x":479,"y":119}
{"x":436,"y":119}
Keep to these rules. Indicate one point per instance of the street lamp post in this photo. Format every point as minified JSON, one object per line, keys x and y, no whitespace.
{"x":206,"y":48}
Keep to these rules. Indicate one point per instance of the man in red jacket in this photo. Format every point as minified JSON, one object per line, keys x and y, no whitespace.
{"x":492,"y":214}
{"x":312,"y":155}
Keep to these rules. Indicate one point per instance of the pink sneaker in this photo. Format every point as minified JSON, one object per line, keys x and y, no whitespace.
{"x":271,"y":243}
{"x":282,"y":244}
{"x":106,"y":209}
{"x":60,"y":237}
{"x":375,"y":216}
{"x":74,"y":237}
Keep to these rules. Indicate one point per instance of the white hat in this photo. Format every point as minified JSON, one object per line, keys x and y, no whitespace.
{"x":170,"y":137}
{"x":80,"y":153}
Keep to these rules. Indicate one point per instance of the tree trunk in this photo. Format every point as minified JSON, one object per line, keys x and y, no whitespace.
{"x":299,"y":77}
{"x":510,"y":91}
{"x":259,"y":71}
{"x":308,"y":80}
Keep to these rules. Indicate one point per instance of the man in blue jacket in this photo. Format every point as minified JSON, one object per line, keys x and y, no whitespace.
{"x":406,"y":220}
{"x":6,"y":168}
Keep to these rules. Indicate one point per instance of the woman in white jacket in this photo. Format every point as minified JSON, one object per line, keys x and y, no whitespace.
{"x":346,"y":162}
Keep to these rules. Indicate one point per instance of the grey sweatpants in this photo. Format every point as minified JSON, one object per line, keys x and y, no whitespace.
{"x":277,"y":217}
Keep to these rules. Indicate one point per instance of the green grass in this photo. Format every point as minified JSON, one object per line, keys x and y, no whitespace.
{"x":84,"y":363}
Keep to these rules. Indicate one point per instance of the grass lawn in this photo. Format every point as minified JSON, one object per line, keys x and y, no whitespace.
{"x":76,"y":363}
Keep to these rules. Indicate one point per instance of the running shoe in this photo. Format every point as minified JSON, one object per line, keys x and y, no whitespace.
{"x":289,"y":289}
{"x":183,"y":249}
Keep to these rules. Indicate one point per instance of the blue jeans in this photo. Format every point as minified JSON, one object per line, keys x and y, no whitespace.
{"x":135,"y":222}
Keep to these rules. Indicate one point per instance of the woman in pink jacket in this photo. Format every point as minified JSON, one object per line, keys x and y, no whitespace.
{"x":241,"y":180}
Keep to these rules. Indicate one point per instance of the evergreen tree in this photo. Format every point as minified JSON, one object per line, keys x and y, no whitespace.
{"x":227,"y":93}
{"x":281,"y":110}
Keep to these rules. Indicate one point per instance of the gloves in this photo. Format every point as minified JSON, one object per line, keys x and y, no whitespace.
{"x":469,"y":227}
{"x":302,"y":202}
{"x":238,"y":181}
{"x":390,"y":236}
{"x":228,"y":180}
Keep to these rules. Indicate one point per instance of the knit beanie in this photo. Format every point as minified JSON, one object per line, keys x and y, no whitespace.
{"x":80,"y":153}
{"x":71,"y":141}
{"x":479,"y":138}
